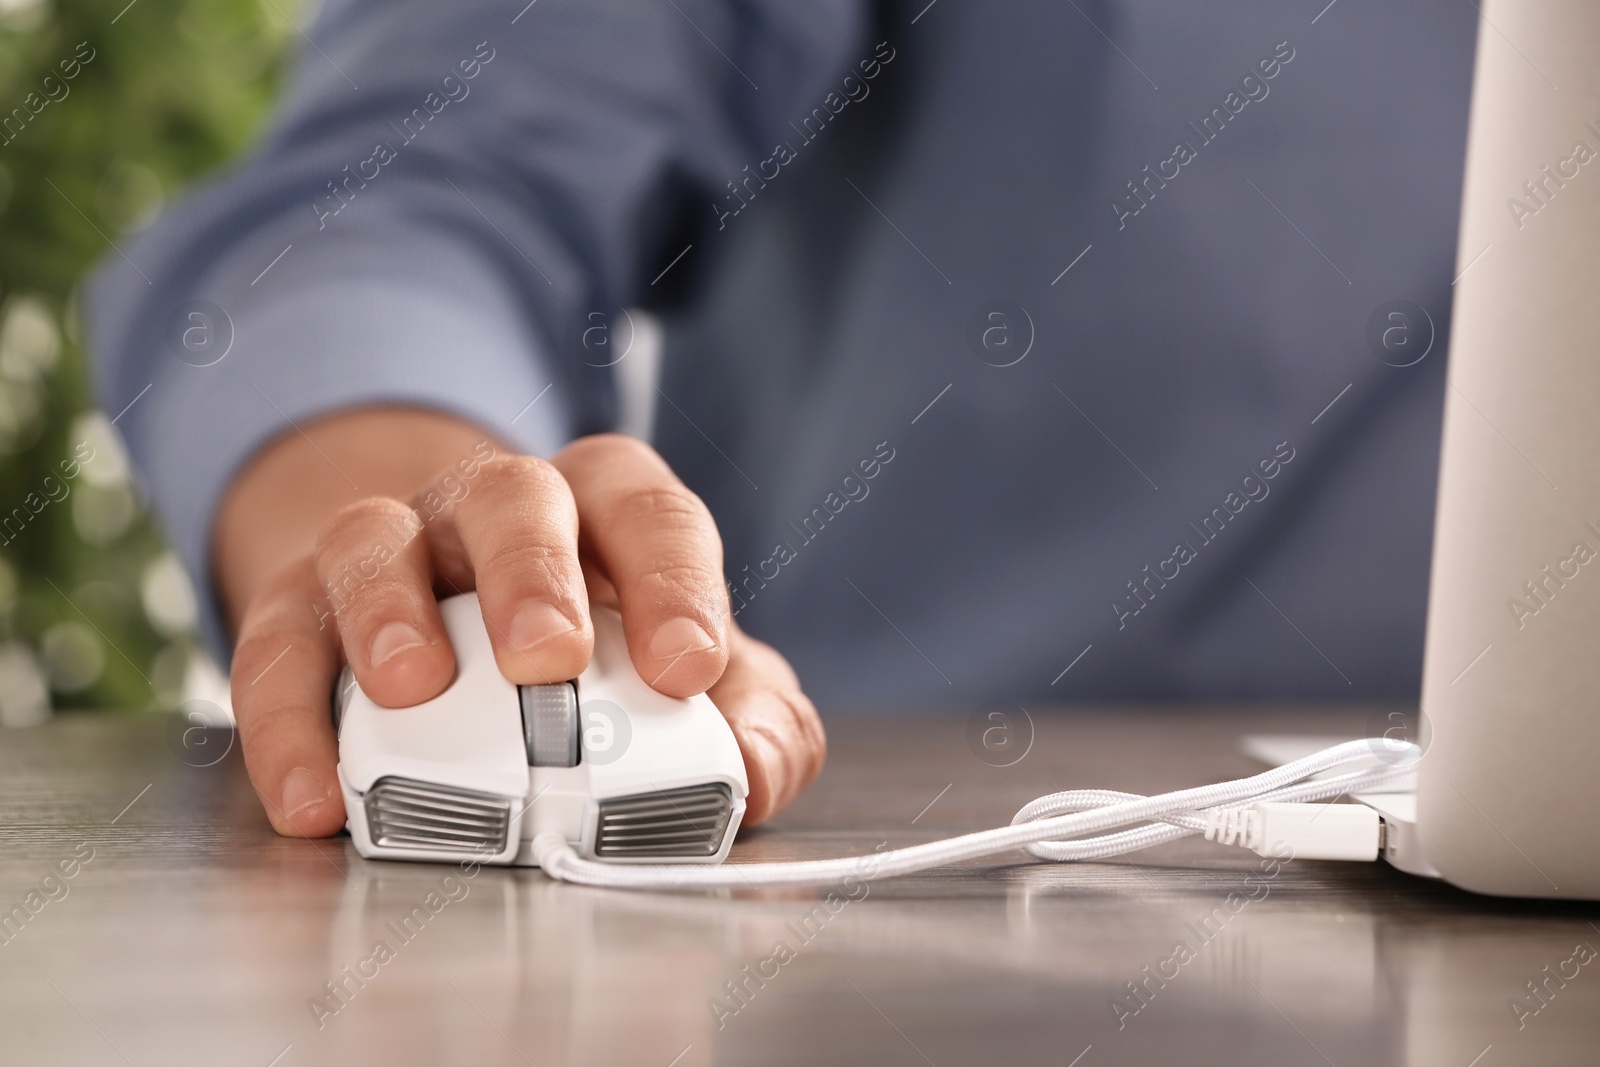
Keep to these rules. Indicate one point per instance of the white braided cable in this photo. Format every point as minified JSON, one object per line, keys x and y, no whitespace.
{"x":1182,"y":824}
{"x":1045,"y":827}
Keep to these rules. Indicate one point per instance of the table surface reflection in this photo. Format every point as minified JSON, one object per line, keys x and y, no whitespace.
{"x":189,"y":934}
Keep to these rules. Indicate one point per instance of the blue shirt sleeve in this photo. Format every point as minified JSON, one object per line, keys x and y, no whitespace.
{"x":450,"y":192}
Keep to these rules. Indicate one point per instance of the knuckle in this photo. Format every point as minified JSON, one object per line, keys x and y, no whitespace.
{"x":789,"y":751}
{"x":661,"y":506}
{"x":516,"y":473}
{"x":361,"y":607}
{"x":352,"y":522}
{"x":262,"y":686}
{"x":806,"y":719}
{"x":674,"y":581}
{"x":259,"y":647}
{"x":370,"y":565}
{"x":611,"y":447}
{"x":289,"y":605}
{"x":367,"y":570}
{"x":518,"y":485}
{"x":800,"y":707}
{"x":532,"y":563}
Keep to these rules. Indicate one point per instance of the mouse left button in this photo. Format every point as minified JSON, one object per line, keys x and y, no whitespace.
{"x":550,"y":724}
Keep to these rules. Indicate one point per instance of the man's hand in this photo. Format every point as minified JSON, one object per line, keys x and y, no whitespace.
{"x":334,"y":546}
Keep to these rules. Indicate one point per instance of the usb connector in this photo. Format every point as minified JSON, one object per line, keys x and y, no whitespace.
{"x":1310,"y":831}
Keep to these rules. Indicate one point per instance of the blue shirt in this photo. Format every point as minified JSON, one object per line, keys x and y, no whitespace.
{"x":1022,"y":350}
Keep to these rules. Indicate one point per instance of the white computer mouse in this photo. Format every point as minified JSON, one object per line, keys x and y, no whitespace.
{"x":626,"y":774}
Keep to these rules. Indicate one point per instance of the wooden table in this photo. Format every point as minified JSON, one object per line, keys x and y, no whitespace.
{"x":188,"y":933}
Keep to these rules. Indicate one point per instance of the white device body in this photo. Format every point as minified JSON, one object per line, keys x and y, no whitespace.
{"x":451,"y":778}
{"x":1507,"y":793}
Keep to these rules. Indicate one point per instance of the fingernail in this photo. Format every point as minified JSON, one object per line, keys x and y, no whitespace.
{"x":675,"y":637}
{"x":391,"y":640}
{"x":301,"y":790}
{"x":535,"y":623}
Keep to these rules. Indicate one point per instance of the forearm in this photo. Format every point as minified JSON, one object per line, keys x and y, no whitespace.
{"x":332,"y":290}
{"x":284,"y":496}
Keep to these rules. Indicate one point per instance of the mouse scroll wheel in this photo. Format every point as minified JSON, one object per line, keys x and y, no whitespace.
{"x":550,"y":724}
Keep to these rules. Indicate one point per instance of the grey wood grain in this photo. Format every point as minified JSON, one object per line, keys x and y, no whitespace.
{"x":188,"y":933}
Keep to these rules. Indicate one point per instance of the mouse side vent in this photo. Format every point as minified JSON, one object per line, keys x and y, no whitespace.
{"x":687,"y":822}
{"x":407,"y":814}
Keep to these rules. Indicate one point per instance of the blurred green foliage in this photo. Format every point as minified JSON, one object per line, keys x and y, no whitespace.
{"x":91,"y":604}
